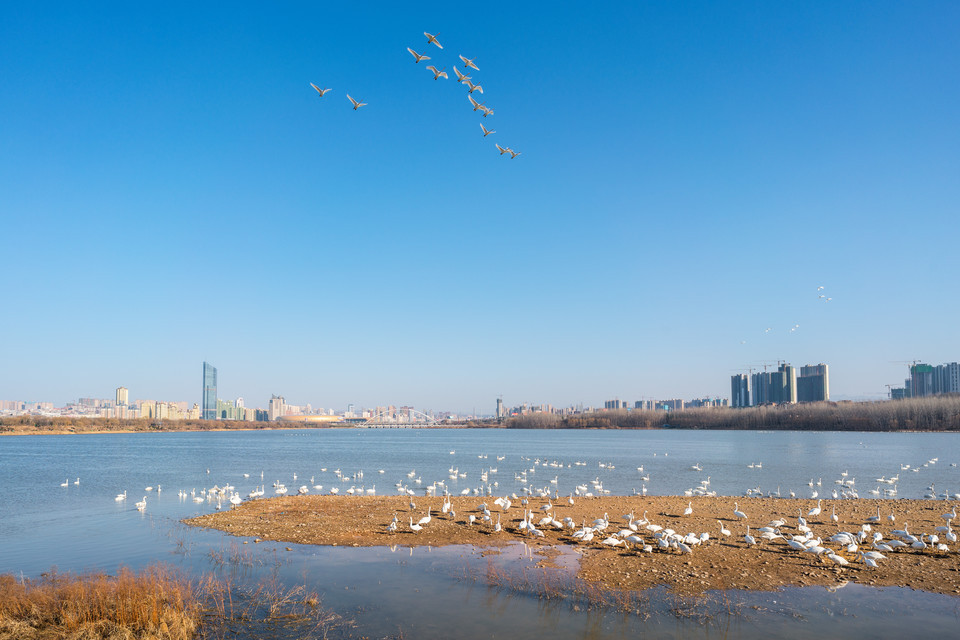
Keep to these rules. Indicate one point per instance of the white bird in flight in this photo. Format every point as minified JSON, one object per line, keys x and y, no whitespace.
{"x":513,"y":154}
{"x":474,"y":87}
{"x":319,"y":90}
{"x":438,"y":74}
{"x":418,"y":57}
{"x":433,"y":39}
{"x":487,"y":111}
{"x":468,"y":62}
{"x":486,"y":131}
{"x":476,"y":105}
{"x":460,"y":77}
{"x":356,"y":103}
{"x":503,"y":150}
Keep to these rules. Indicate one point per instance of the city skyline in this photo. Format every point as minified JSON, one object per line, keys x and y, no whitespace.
{"x":702,"y":189}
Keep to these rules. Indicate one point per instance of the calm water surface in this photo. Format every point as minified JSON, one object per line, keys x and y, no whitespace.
{"x":435,"y":593}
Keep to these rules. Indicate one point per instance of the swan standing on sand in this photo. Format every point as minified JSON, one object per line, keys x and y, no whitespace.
{"x":737,"y":512}
{"x":414,"y":527}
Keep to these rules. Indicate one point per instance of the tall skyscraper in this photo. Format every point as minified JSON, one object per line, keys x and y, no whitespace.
{"x":277,"y":408}
{"x":921,"y":380}
{"x":760,"y":385}
{"x":739,"y":390}
{"x":123,"y":396}
{"x":500,"y":414}
{"x":208,"y":408}
{"x":783,"y":385}
{"x":813,"y":385}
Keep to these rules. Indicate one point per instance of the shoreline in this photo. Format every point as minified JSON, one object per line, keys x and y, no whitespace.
{"x":718,"y":563}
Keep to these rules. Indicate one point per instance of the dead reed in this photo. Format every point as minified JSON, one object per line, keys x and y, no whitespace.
{"x":156,"y":603}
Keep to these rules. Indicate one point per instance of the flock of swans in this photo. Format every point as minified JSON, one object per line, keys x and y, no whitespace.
{"x":462,"y":78}
{"x":868,"y":544}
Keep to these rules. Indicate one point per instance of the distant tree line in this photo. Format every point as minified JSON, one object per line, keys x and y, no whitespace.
{"x":41,"y":424}
{"x":938,"y":413}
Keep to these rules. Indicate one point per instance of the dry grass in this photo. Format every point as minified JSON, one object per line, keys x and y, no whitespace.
{"x":156,"y":603}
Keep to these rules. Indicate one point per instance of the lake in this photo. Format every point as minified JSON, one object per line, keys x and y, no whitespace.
{"x":438,"y":592}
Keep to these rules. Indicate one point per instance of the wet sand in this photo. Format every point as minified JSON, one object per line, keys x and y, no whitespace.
{"x":719,"y":563}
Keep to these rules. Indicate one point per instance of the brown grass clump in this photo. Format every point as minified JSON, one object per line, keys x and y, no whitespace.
{"x":156,"y":603}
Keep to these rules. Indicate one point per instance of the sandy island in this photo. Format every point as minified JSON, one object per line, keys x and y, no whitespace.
{"x":719,"y":563}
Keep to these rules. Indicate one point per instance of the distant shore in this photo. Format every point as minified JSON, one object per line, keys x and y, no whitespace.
{"x":937,"y":413}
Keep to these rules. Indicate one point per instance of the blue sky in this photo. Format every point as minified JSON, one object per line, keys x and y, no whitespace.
{"x":174,"y":191}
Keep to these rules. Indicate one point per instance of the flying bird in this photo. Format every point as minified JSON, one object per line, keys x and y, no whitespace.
{"x":476,"y":105}
{"x":323,"y":91}
{"x":460,"y":77}
{"x":513,"y":154}
{"x":468,"y":62}
{"x":502,"y":150}
{"x":356,"y":103}
{"x":417,"y":56}
{"x":486,"y":131}
{"x":487,"y":111}
{"x":474,"y":87}
{"x":433,"y":39}
{"x":438,"y":74}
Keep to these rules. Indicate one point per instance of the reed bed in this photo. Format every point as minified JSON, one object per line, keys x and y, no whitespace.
{"x":157,"y":603}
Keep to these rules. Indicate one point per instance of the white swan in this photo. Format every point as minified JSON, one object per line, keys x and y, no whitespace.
{"x":438,"y":73}
{"x":468,"y":62}
{"x":417,"y":57}
{"x":321,"y":92}
{"x":356,"y":103}
{"x":474,"y":87}
{"x":487,"y":132}
{"x":432,"y":38}
{"x":476,"y":105}
{"x":460,"y":77}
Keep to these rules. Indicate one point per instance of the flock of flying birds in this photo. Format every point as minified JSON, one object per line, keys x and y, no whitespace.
{"x":462,"y":78}
{"x":822,"y":297}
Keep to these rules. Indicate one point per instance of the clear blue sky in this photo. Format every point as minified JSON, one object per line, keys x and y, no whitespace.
{"x":172,"y":191}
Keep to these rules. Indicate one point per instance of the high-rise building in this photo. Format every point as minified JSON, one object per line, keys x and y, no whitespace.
{"x":123,"y":396}
{"x":921,"y":380}
{"x":500,"y":413}
{"x":277,"y":408}
{"x":615,"y":404}
{"x":783,"y":385}
{"x":760,"y":383}
{"x":209,"y":406}
{"x":739,"y":391}
{"x":946,"y":378}
{"x":813,"y":385}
